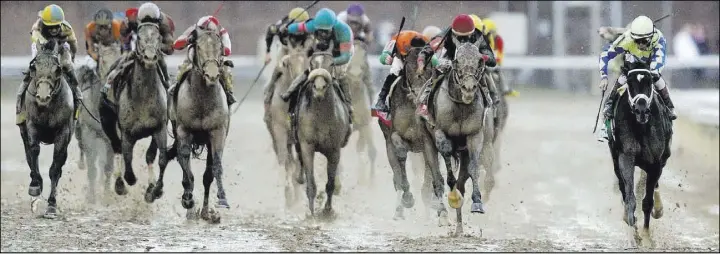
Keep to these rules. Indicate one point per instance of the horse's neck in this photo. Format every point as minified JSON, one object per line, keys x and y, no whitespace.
{"x":145,"y":80}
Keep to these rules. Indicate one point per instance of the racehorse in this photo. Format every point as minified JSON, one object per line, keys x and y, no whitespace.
{"x":292,"y":65}
{"x":201,"y":117}
{"x":404,"y":132}
{"x":323,"y":126}
{"x":639,"y":135}
{"x":463,"y":128}
{"x":94,"y":144}
{"x":141,"y":112}
{"x":50,"y":111}
{"x":358,"y":73}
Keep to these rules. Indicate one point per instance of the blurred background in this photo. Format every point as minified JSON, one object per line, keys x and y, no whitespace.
{"x":549,"y":44}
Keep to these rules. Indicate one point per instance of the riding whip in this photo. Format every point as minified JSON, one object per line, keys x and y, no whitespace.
{"x":597,"y":117}
{"x":658,"y":20}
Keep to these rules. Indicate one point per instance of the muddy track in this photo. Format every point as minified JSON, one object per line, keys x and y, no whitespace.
{"x":555,"y":192}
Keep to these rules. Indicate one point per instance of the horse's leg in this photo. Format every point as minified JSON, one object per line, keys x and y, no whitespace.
{"x":430,"y":153}
{"x":657,"y":211}
{"x":183,"y":139}
{"x":449,"y":168}
{"x":207,"y":182}
{"x":217,"y":146}
{"x":333,"y":159}
{"x":128,"y":143}
{"x":90,"y":158}
{"x":490,"y":176}
{"x":365,"y":138}
{"x":307,"y":154}
{"x":32,"y":151}
{"x":159,"y":138}
{"x":105,"y":160}
{"x":81,"y":159}
{"x":397,"y":161}
{"x":626,"y":165}
{"x":648,"y":201}
{"x":463,"y":175}
{"x":59,"y":157}
{"x":475,"y":149}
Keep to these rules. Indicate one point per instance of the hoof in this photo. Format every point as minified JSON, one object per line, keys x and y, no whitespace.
{"x":120,"y":187}
{"x":130,"y":178}
{"x":222,"y":204}
{"x":443,"y":219}
{"x":187,"y":201}
{"x":656,"y":214}
{"x":50,"y":213}
{"x":34,"y":204}
{"x":399,"y":213}
{"x":455,"y":199}
{"x":157,"y":191}
{"x":191,"y":214}
{"x":477,"y":208}
{"x":210,"y":215}
{"x":35,"y":191}
{"x":408,"y":201}
{"x":149,"y":193}
{"x":328,"y":214}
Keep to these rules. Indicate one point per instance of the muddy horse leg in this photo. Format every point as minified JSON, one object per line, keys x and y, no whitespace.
{"x":463,"y":176}
{"x":397,"y":159}
{"x":431,"y":165}
{"x":183,"y":157}
{"x":333,"y":160}
{"x":475,"y":149}
{"x":649,"y":201}
{"x":32,"y":151}
{"x":59,"y":158}
{"x":307,"y":155}
{"x":128,"y":143}
{"x":207,"y":182}
{"x":626,"y":165}
{"x":216,"y":147}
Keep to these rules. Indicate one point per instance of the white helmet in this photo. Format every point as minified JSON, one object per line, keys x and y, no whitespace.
{"x":641,"y":27}
{"x":431,"y":31}
{"x":148,"y":10}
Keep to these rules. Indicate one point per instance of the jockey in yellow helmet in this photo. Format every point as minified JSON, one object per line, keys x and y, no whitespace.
{"x":52,"y":26}
{"x":498,"y":46}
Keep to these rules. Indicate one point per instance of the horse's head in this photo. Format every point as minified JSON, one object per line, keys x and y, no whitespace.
{"x":107,"y":55}
{"x":208,"y":52}
{"x":640,"y":93}
{"x":294,"y":63}
{"x":413,"y":80}
{"x":47,"y":74}
{"x":320,"y":64}
{"x":468,"y":67}
{"x":148,"y":43}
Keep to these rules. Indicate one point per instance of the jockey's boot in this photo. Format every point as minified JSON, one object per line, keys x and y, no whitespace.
{"x":345,"y":95}
{"x":665,"y":93}
{"x":228,"y":87}
{"x":608,"y":112}
{"x":20,"y":113}
{"x":74,"y":87}
{"x":380,"y":105}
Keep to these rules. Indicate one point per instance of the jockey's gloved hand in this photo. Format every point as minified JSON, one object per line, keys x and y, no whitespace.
{"x":603,"y":83}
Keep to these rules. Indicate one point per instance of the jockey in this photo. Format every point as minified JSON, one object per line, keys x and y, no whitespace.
{"x":189,"y":36}
{"x":52,"y":26}
{"x":329,"y":32}
{"x":646,"y":43}
{"x":147,"y":13}
{"x":399,"y":44}
{"x":103,"y":29}
{"x":463,"y":29}
{"x":355,"y":17}
{"x":296,"y":15}
{"x":128,"y":28}
{"x":498,"y":46}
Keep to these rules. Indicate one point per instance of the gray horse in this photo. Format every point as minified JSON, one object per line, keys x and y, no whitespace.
{"x":358,"y":76}
{"x":141,"y":112}
{"x":404,"y":132}
{"x":201,"y":117}
{"x":49,"y":105}
{"x":463,"y":129}
{"x":277,"y":121}
{"x":323,"y":126}
{"x":94,"y":144}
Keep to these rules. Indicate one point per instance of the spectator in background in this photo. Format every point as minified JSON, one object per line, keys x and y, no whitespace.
{"x":685,"y":47}
{"x":700,"y":39}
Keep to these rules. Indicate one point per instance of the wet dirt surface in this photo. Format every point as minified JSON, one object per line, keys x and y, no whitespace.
{"x":555,"y":192}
